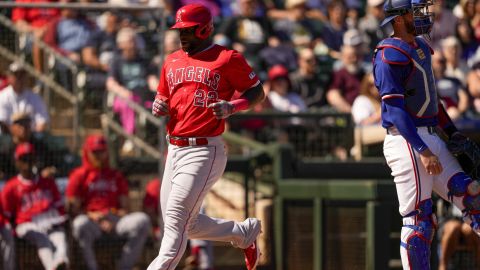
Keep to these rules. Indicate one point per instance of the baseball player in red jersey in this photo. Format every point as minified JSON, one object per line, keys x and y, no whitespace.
{"x":36,"y":206}
{"x":195,"y":91}
{"x":7,"y":244}
{"x":98,"y":196}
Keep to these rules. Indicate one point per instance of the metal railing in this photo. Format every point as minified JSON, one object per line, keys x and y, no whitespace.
{"x":75,"y":97}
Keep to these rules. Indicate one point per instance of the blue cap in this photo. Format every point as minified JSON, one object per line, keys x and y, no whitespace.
{"x":388,"y":19}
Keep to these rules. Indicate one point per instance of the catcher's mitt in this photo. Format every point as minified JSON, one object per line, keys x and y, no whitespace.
{"x":467,"y":153}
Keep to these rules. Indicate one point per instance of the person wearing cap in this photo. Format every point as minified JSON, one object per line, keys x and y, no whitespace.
{"x":369,"y":25}
{"x":345,"y":84}
{"x":35,"y":205}
{"x":97,"y":199}
{"x":414,"y":118}
{"x":16,"y":97}
{"x":281,"y":97}
{"x":49,"y":162}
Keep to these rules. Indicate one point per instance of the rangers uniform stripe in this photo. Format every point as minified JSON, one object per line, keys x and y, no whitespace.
{"x":392,"y":96}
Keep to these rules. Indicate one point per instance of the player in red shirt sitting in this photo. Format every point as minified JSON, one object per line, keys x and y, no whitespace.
{"x":98,"y":196}
{"x":35,"y":205}
{"x":196,"y":88}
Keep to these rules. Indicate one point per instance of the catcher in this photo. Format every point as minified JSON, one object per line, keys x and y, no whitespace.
{"x":412,"y":115}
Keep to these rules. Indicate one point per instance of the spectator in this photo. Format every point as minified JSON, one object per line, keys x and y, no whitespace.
{"x":355,"y":39}
{"x":35,"y":205}
{"x":366,"y":106}
{"x":366,"y":113}
{"x":17,"y":98}
{"x":280,"y":95}
{"x":247,"y":32}
{"x":450,"y":90}
{"x":308,"y":81}
{"x":444,"y":25}
{"x":201,"y":253}
{"x":346,"y":81}
{"x":473,"y":86}
{"x":7,"y":242}
{"x":98,"y":53}
{"x":131,"y":77}
{"x":455,"y":233}
{"x":68,"y":34}
{"x":277,"y":53}
{"x":97,"y":197}
{"x":295,"y":27}
{"x":468,"y":43}
{"x":33,"y":21}
{"x":332,"y":33}
{"x":48,"y":162}
{"x":455,"y":66}
{"x":369,"y":25}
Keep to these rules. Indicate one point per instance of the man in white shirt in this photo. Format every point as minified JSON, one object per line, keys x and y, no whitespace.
{"x":17,"y":98}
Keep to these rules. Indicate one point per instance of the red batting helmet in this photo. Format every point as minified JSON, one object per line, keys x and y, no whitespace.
{"x":195,"y":15}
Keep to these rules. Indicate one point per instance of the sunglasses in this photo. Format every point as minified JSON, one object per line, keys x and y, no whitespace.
{"x":28,"y":158}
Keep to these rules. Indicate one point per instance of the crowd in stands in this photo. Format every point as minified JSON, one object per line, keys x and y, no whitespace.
{"x":311,"y":56}
{"x":325,"y":46}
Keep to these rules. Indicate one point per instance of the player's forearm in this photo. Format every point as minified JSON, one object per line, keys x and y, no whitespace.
{"x":405,"y":126}
{"x":253,"y":96}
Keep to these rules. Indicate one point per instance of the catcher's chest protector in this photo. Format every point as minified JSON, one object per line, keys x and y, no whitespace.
{"x":420,"y":93}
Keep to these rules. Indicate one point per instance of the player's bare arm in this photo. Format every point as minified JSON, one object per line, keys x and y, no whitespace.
{"x":223,"y":109}
{"x":73,"y":206}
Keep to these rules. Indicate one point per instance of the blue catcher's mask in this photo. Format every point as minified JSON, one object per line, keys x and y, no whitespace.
{"x":422,"y":18}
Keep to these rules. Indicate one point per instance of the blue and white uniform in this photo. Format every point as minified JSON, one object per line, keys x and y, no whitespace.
{"x":410,"y":113}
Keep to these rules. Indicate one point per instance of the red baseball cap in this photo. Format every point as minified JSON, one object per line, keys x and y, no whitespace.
{"x":96,"y":143}
{"x":24,"y":149}
{"x":277,"y":71}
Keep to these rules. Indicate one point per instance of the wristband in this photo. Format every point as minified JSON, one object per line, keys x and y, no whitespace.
{"x":240,"y":104}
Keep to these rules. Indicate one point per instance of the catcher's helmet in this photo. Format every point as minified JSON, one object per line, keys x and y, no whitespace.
{"x":422,"y":18}
{"x":195,"y":15}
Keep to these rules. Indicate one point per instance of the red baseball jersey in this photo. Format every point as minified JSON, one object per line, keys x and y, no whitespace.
{"x":3,"y":218}
{"x":27,"y":200}
{"x":36,"y":17}
{"x":190,"y":83}
{"x":98,"y":190}
{"x":152,"y":195}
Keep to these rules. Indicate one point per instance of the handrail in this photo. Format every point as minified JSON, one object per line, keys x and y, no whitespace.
{"x":81,"y":6}
{"x":58,"y":56}
{"x":107,"y":121}
{"x":43,"y":78}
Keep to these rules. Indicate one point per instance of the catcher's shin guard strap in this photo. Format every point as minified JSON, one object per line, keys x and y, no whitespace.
{"x":417,"y":234}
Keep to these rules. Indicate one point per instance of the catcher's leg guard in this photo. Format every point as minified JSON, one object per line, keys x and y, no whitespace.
{"x":461,"y":185}
{"x":417,"y":234}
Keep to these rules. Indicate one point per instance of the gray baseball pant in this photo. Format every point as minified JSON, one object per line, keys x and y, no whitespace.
{"x":7,"y":248}
{"x":51,"y":245}
{"x":190,"y":172}
{"x":134,"y":226}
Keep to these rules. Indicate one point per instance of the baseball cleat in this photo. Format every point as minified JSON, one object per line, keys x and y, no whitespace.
{"x":252,"y":256}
